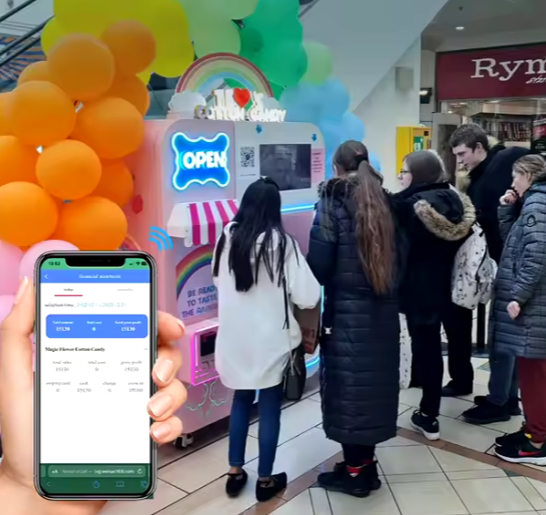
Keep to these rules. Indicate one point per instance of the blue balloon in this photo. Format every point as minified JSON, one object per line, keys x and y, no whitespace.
{"x":352,"y":127}
{"x":336,"y":99}
{"x":303,"y":103}
{"x":375,"y":161}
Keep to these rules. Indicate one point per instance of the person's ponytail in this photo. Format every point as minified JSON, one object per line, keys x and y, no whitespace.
{"x":374,"y":229}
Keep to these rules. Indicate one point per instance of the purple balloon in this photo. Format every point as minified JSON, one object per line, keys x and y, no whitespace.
{"x":26,"y":268}
{"x":10,"y":257}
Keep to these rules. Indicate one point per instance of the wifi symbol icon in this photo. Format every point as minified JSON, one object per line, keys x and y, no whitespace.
{"x":160,"y":238}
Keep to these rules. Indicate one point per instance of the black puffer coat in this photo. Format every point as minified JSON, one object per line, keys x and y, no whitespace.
{"x":437,"y":219}
{"x":360,"y":348}
{"x":522,"y":278}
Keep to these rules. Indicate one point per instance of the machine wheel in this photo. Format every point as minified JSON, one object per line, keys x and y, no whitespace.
{"x":183,"y":442}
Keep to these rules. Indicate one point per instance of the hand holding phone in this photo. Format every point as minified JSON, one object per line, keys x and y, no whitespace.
{"x":16,"y":404}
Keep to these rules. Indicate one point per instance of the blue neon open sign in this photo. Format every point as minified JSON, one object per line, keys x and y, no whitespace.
{"x":200,"y":160}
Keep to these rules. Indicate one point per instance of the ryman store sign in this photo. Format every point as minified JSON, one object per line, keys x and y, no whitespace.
{"x":492,"y":73}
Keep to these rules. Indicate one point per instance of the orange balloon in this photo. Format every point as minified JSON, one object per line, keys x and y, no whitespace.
{"x":35,"y":71}
{"x":4,"y":122}
{"x":40,"y":113}
{"x":17,"y":161}
{"x":133,"y":90}
{"x":116,"y":183}
{"x":69,"y":170}
{"x":92,"y":223}
{"x":82,"y":65}
{"x":111,"y":126}
{"x":133,"y":45}
{"x":28,"y":214}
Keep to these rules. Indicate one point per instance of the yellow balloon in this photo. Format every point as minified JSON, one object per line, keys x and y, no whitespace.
{"x":145,"y":76}
{"x":174,"y":55}
{"x":51,"y":34}
{"x":168,"y":21}
{"x":87,"y":16}
{"x":121,"y":10}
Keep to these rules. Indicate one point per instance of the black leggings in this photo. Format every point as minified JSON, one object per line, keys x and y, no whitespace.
{"x":358,"y":455}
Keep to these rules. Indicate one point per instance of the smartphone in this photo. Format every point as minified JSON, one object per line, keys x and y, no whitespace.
{"x":96,"y":343}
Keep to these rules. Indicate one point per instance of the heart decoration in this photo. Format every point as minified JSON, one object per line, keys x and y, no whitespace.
{"x":241,"y":96}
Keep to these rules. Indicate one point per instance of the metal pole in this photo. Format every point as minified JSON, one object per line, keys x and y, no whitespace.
{"x":480,"y":329}
{"x":24,"y":37}
{"x":4,"y":17}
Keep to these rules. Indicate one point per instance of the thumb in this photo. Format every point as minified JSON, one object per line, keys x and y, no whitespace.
{"x":16,"y":348}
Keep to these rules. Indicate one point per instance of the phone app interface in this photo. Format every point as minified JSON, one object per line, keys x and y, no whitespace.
{"x":95,"y":383}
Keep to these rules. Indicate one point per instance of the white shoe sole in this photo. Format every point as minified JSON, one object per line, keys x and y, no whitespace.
{"x":541,"y":462}
{"x":429,"y":436}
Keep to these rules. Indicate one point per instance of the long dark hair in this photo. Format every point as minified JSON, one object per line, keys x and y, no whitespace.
{"x":425,"y":167}
{"x":259,"y":214}
{"x":375,"y":228}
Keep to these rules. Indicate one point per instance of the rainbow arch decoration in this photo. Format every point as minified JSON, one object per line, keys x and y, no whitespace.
{"x":205,"y":73}
{"x":129,"y":243}
{"x":190,"y":264}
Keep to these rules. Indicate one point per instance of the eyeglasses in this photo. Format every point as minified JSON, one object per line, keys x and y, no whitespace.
{"x":401,"y":173}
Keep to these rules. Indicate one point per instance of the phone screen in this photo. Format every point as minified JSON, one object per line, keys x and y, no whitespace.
{"x":94,"y":352}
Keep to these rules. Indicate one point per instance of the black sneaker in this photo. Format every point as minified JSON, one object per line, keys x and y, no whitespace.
{"x":428,"y":426}
{"x":487,"y":413}
{"x":523,"y":452}
{"x":235,"y":483}
{"x":513,"y":405}
{"x":266,"y":490}
{"x":513,"y":439}
{"x":358,"y":486}
{"x":451,"y":389}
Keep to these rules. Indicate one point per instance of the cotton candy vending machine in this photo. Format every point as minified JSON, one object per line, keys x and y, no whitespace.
{"x":190,"y":175}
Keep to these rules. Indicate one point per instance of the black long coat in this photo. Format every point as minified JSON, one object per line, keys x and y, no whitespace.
{"x":360,"y":349}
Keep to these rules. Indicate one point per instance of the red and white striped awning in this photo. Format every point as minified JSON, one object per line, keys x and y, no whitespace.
{"x":201,"y":223}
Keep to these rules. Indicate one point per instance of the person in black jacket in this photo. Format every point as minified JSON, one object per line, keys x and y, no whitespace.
{"x":490,"y":174}
{"x":353,"y":254}
{"x":437,"y":219}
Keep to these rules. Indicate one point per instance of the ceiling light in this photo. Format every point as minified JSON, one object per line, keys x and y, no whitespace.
{"x":424,"y":92}
{"x":460,"y":27}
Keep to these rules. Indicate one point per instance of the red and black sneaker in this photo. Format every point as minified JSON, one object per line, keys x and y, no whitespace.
{"x":522,"y":452}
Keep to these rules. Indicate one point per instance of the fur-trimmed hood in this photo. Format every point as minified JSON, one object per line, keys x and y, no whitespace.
{"x":440,"y":224}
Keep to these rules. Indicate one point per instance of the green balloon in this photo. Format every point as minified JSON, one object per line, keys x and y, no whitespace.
{"x":275,"y":10}
{"x":213,"y":35}
{"x":252,"y":43}
{"x":285,"y":63}
{"x":320,"y":62}
{"x":277,"y":90}
{"x":239,"y":9}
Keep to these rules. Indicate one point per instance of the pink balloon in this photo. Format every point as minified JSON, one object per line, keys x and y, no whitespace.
{"x":10,"y":257}
{"x":26,"y":268}
{"x":6,"y":303}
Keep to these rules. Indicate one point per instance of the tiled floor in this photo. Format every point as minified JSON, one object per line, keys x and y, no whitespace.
{"x":455,"y":476}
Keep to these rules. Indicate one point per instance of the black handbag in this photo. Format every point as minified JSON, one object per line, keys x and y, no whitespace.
{"x":295,"y":373}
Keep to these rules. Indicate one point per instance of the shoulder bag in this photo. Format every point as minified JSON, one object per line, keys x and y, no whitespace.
{"x":295,"y":373}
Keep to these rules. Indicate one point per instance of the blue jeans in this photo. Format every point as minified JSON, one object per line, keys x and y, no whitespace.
{"x":269,"y":409}
{"x":503,"y":381}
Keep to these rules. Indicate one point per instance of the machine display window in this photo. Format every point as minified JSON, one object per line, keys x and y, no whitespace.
{"x":208,"y":344}
{"x":289,"y":165}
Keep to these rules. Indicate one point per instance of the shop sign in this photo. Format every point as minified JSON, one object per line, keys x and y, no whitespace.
{"x":200,"y":160}
{"x":233,"y":105}
{"x":492,"y":73}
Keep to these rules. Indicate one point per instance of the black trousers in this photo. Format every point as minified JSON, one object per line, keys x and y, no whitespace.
{"x":428,"y":364}
{"x":458,"y":328}
{"x":358,"y":455}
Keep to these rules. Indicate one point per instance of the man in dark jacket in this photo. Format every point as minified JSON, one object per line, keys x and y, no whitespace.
{"x":490,"y":174}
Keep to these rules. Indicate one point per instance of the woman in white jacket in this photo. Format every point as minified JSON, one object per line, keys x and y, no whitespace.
{"x":253,"y":344}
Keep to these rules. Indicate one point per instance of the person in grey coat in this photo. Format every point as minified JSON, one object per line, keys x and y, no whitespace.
{"x":518,"y":312}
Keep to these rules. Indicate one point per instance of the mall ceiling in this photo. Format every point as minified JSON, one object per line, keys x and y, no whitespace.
{"x":479,"y":17}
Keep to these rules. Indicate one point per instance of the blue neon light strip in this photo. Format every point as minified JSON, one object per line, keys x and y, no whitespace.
{"x":298,"y":209}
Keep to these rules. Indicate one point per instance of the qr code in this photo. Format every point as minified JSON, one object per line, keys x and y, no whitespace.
{"x":247,"y":157}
